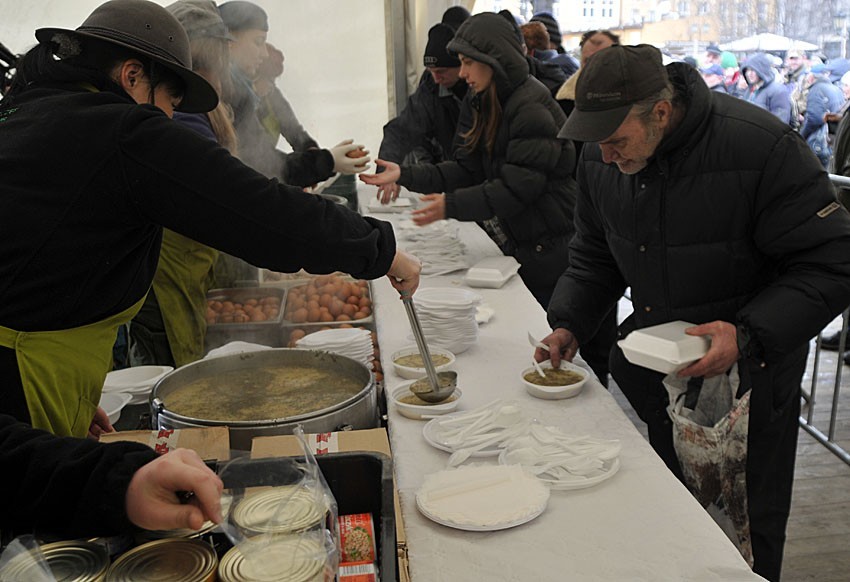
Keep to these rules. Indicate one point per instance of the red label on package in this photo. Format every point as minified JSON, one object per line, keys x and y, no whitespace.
{"x":357,"y":538}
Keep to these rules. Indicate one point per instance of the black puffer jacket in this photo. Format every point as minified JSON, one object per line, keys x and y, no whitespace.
{"x":526,"y":181}
{"x":733,"y":220}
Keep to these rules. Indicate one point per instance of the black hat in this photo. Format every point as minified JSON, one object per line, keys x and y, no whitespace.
{"x":455,"y":16}
{"x":611,"y":82}
{"x":552,"y":26}
{"x":150,"y":30}
{"x":714,"y":49}
{"x":436,"y":54}
{"x":242,"y":15}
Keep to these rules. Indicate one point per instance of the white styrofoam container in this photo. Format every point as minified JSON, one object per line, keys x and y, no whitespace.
{"x":492,"y":272}
{"x":664,"y":348}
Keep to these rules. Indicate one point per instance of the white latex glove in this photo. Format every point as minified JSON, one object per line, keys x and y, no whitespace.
{"x":346,"y":165}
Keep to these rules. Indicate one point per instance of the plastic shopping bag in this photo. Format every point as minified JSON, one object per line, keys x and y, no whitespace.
{"x":710,"y":425}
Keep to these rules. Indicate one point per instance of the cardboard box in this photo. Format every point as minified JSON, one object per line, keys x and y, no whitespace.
{"x":371,"y":440}
{"x":211,"y":443}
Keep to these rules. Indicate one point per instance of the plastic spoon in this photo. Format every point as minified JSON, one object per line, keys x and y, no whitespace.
{"x":537,"y":343}
{"x":538,"y":368}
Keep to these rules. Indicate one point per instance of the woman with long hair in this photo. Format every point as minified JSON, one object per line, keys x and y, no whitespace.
{"x":512,"y":172}
{"x":92,"y":167}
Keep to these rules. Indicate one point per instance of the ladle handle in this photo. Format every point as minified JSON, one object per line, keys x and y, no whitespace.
{"x":420,"y":341}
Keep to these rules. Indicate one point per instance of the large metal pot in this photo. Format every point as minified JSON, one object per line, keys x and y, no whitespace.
{"x":359,"y":411}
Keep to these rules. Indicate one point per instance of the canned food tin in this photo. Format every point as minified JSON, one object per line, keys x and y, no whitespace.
{"x":281,"y":510}
{"x":72,"y":561}
{"x":284,"y":559}
{"x":172,"y":560}
{"x":186,"y":533}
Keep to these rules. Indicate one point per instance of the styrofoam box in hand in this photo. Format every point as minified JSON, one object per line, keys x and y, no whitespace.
{"x":664,"y":348}
{"x":492,"y":272}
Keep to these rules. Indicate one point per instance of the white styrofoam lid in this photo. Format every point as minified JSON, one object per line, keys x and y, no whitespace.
{"x":494,"y":268}
{"x":669,"y":342}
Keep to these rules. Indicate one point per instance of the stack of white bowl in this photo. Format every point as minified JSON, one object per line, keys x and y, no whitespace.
{"x":447,"y":317}
{"x":353,"y":342}
{"x":137,"y":381}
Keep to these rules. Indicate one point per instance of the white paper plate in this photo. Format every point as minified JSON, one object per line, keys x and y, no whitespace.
{"x":431,"y":433}
{"x":472,"y":527}
{"x":610,"y":469}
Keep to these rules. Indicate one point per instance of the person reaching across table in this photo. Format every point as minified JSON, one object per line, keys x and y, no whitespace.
{"x":79,"y":243}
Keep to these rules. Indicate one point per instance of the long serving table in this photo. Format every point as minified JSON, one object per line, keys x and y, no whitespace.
{"x":641,"y":524}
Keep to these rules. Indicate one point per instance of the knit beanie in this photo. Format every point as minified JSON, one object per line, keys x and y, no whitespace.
{"x":455,"y":16}
{"x":551,"y":26}
{"x":436,"y":54}
{"x":200,"y":19}
{"x":728,"y":60}
{"x":241,"y":15}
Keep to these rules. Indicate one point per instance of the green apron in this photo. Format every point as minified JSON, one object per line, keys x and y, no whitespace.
{"x":182,"y":279}
{"x":62,"y":371}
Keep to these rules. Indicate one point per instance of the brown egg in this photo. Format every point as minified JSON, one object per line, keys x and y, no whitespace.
{"x":253,"y":301}
{"x":353,"y":300}
{"x":313,"y":314}
{"x":227,"y":306}
{"x":326,"y":299}
{"x":342,"y":317}
{"x":365,"y":302}
{"x":345,"y":326}
{"x":313,"y":305}
{"x":214,"y":305}
{"x":326,"y":317}
{"x":366,"y":310}
{"x":359,"y":315}
{"x":335,"y":307}
{"x":349,"y":310}
{"x":299,"y":315}
{"x":296,"y":335}
{"x":258,"y":315}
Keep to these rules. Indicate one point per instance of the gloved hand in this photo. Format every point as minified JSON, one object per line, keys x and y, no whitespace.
{"x":349,"y":165}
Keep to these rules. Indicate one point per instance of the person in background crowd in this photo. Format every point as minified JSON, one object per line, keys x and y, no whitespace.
{"x":796,"y":67}
{"x":714,"y":76}
{"x":591,"y":43}
{"x":713,"y":55}
{"x":535,"y":36}
{"x":81,"y":488}
{"x":426,"y":129}
{"x":92,"y":225}
{"x":547,"y":72}
{"x":556,"y":53}
{"x":833,"y":119}
{"x":753,"y":250}
{"x":729,"y":63}
{"x":275,"y":113}
{"x":248,"y":25}
{"x":691,"y":61}
{"x":762,"y":88}
{"x":454,"y":16}
{"x":822,"y":98}
{"x":170,"y":328}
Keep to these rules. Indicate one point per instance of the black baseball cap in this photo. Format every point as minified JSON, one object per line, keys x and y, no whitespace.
{"x":609,"y":84}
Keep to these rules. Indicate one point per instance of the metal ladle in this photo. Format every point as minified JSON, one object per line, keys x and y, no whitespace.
{"x":440,"y":385}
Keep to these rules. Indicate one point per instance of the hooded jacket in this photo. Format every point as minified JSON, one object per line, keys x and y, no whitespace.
{"x":770,"y":95}
{"x":733,"y":219}
{"x":526,"y":181}
{"x":823,"y":97}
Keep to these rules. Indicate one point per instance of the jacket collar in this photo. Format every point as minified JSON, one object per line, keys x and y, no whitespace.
{"x":695,"y":96}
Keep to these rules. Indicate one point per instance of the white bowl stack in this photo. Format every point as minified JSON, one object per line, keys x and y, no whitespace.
{"x":353,"y":342}
{"x":447,"y":317}
{"x":437,"y":245}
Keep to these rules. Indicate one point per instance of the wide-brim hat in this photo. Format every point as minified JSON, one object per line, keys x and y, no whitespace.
{"x":150,"y":30}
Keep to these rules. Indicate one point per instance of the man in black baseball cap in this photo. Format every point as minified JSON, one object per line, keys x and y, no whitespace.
{"x":713,"y":212}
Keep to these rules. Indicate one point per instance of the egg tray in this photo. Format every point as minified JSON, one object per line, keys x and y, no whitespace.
{"x":267,"y":333}
{"x":367,"y":321}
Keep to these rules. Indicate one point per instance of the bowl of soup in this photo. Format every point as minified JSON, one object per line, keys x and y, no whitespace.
{"x":410,"y":405}
{"x":408,"y":363}
{"x":566,"y":381}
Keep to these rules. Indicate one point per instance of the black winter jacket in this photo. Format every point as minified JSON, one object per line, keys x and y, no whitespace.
{"x":427,"y":125}
{"x":733,"y":219}
{"x":68,"y":486}
{"x":526,"y":181}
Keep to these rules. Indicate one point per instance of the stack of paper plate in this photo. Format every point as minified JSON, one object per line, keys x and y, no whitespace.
{"x":447,"y":317}
{"x":437,"y":245}
{"x":137,"y":381}
{"x":353,"y":342}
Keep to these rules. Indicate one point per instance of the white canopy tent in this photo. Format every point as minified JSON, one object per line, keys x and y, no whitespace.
{"x":767,"y":42}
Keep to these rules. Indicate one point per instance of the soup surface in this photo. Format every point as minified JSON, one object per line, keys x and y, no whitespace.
{"x":262,"y":394}
{"x":553,"y":377}
{"x":416,"y":361}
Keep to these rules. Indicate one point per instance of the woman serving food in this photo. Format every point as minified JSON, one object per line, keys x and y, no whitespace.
{"x":92,"y":168}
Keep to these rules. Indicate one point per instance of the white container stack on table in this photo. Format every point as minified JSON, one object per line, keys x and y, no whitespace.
{"x":447,"y":316}
{"x":437,"y":245}
{"x":353,"y":342}
{"x":137,"y":381}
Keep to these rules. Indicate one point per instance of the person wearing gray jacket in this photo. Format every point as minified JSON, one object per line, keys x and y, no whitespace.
{"x":763,"y":89}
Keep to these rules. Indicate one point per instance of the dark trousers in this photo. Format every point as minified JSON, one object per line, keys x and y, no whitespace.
{"x":771,"y":442}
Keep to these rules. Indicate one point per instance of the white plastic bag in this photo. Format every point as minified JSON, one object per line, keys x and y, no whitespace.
{"x":710,"y":426}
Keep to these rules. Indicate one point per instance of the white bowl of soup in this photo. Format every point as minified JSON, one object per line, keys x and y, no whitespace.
{"x":408,"y":363}
{"x":411,"y":406}
{"x":565,"y":382}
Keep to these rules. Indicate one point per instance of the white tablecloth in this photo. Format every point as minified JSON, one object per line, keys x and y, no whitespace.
{"x":642,"y":524}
